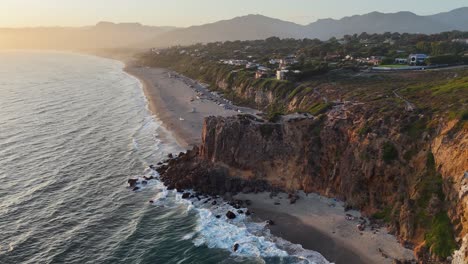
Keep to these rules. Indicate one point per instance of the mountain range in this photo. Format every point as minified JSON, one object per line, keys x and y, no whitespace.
{"x":250,"y":27}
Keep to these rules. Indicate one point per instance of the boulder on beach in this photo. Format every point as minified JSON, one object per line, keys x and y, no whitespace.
{"x":230,"y":215}
{"x":270,"y":222}
{"x":235,"y":247}
{"x":185,"y":195}
{"x":132,"y":182}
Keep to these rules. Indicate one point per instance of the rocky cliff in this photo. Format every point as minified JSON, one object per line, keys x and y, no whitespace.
{"x":415,"y":183}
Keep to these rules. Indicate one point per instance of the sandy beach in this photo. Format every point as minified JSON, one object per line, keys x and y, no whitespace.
{"x":315,"y":222}
{"x":181,"y":103}
{"x":320,"y":224}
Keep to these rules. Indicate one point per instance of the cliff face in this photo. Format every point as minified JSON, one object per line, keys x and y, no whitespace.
{"x":410,"y":182}
{"x":382,"y":143}
{"x":451,"y":153}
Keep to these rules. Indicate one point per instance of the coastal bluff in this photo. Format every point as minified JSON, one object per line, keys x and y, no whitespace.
{"x":400,"y":181}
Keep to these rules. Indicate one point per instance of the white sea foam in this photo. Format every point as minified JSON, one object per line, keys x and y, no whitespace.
{"x":223,"y":233}
{"x":215,"y":230}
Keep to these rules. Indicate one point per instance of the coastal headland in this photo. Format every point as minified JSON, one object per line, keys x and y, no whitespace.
{"x":322,"y":223}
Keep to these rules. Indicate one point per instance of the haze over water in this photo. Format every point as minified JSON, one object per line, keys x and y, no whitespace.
{"x":73,"y":129}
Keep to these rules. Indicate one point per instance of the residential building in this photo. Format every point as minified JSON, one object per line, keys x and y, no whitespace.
{"x":263,"y":68}
{"x":274,"y":61}
{"x":289,"y":60}
{"x":401,"y":61}
{"x":417,"y":59}
{"x":261,"y":74}
{"x":465,"y":41}
{"x":251,"y":65}
{"x":332,"y":57}
{"x":375,"y":60}
{"x":281,"y":74}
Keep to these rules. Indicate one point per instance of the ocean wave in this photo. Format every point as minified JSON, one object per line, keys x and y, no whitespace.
{"x":241,"y":236}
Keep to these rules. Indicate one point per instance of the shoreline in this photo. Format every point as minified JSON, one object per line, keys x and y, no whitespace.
{"x":181,"y":103}
{"x":171,"y":98}
{"x":156,"y":107}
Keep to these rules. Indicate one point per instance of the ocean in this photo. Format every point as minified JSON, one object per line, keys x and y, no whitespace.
{"x":73,"y":129}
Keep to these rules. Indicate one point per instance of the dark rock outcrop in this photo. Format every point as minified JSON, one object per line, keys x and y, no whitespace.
{"x":230,"y":215}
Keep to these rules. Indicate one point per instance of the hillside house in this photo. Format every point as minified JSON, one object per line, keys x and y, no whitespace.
{"x":417,"y":59}
{"x":289,"y":60}
{"x":274,"y":61}
{"x":261,"y":74}
{"x":287,"y":74}
{"x":251,"y":65}
{"x":332,"y":57}
{"x":282,"y":74}
{"x":375,"y":60}
{"x":464,"y":41}
{"x":401,"y":61}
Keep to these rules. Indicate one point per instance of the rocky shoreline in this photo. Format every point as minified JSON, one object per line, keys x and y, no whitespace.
{"x":199,"y":169}
{"x":243,"y":154}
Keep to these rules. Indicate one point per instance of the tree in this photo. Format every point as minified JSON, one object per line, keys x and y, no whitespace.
{"x":423,"y":47}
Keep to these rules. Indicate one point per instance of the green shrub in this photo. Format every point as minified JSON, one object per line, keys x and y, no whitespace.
{"x":319,"y":108}
{"x":390,"y":153}
{"x":275,"y":111}
{"x":464,"y":115}
{"x":444,"y":59}
{"x":364,"y":130}
{"x":385,"y":215}
{"x":415,"y":129}
{"x":410,"y":154}
{"x":440,"y":238}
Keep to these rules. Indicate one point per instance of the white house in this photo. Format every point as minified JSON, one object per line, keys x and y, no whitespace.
{"x":465,"y":41}
{"x":281,"y":74}
{"x":251,"y":65}
{"x":274,"y":61}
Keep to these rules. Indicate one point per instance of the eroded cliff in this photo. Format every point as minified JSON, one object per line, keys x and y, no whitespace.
{"x":414,"y":183}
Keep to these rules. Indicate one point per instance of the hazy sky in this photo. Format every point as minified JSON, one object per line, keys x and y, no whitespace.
{"x":19,"y":13}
